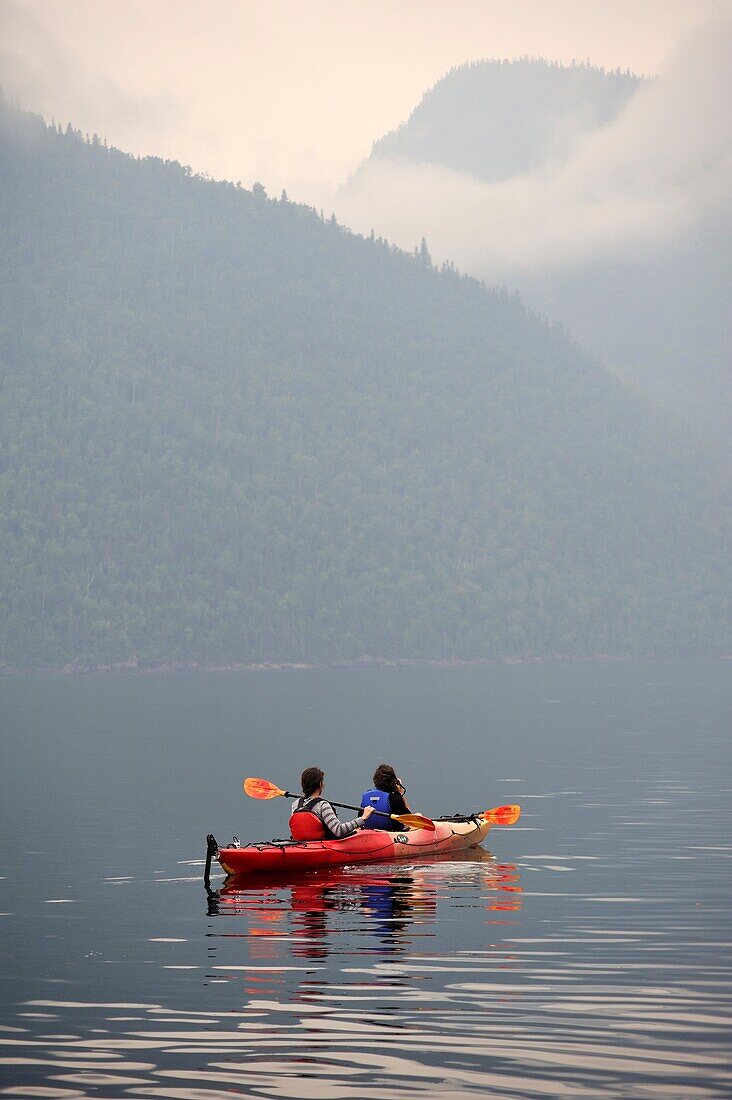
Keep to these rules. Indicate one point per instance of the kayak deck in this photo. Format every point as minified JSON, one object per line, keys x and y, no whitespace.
{"x":365,"y":846}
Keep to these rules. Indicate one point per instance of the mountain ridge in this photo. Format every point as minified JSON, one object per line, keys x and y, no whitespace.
{"x":233,"y":433}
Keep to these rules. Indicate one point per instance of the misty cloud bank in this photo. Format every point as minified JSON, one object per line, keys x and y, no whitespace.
{"x":631,"y":188}
{"x":36,"y":68}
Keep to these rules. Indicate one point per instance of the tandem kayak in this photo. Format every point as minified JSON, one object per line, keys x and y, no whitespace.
{"x":366,"y":846}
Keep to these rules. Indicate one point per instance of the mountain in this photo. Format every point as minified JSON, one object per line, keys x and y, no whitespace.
{"x":656,"y":314}
{"x":497,"y":119}
{"x":231,"y":431}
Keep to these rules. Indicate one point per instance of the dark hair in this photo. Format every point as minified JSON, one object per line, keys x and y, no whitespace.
{"x":385,"y":778}
{"x":310,"y":780}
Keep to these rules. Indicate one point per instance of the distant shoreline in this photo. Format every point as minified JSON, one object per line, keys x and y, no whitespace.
{"x":177,"y":667}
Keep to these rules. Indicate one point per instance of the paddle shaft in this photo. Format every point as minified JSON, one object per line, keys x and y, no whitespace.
{"x":263,"y":788}
{"x":499,"y":815}
{"x":340,"y":805}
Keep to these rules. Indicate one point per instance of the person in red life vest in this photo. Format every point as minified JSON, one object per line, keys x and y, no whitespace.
{"x":386,"y":797}
{"x":313,"y":818}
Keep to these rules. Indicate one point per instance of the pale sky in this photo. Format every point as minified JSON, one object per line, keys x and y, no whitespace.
{"x":294,"y":92}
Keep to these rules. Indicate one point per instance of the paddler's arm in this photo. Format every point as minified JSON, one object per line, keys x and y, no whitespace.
{"x":340,"y":829}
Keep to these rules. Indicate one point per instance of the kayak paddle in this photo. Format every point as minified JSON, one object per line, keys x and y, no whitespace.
{"x":262,"y":788}
{"x":502,"y":815}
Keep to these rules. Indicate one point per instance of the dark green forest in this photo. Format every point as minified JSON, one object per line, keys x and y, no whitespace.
{"x":231,"y":431}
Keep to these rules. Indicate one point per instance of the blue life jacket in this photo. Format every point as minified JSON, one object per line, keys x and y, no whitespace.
{"x":380,"y":818}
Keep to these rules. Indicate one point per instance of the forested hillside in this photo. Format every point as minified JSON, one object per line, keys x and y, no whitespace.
{"x":659,"y":317}
{"x":231,"y":431}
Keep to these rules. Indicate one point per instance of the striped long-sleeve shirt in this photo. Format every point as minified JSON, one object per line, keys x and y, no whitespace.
{"x":328,"y":816}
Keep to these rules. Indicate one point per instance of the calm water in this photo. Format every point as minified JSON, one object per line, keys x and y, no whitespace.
{"x":587,"y":954}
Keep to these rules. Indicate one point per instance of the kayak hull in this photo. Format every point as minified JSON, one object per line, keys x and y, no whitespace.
{"x":365,"y":846}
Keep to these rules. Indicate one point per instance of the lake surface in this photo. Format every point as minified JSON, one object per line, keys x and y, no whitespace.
{"x":585,"y":954}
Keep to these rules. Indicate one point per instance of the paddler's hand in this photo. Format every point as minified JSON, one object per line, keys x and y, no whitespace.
{"x":366,"y":815}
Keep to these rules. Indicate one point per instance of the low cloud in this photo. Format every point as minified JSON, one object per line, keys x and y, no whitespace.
{"x":630,"y":189}
{"x":38,"y":71}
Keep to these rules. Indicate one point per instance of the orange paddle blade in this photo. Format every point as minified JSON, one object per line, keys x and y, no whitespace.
{"x":262,"y":788}
{"x":415,"y":821}
{"x":502,"y":815}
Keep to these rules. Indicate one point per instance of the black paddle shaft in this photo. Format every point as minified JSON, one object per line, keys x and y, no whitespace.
{"x":340,"y":805}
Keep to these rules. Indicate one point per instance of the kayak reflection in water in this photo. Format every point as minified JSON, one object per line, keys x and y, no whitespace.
{"x":320,"y":910}
{"x":346,"y":910}
{"x":320,"y":905}
{"x":313,"y":818}
{"x":384,"y":798}
{"x":394,"y":903}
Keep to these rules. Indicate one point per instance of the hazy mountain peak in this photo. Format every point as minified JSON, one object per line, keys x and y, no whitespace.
{"x":500,"y":118}
{"x":602,"y":197}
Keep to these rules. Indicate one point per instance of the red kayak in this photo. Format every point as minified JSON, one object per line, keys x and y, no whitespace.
{"x":365,"y":846}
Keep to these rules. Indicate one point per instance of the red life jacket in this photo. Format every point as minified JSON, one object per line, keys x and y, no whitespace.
{"x":304,"y":824}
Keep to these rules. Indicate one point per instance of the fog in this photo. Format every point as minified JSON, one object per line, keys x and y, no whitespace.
{"x":631,"y":188}
{"x":294,"y":94}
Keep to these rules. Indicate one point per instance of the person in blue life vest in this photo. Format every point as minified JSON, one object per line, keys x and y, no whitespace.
{"x":385,"y":797}
{"x":313,"y":818}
